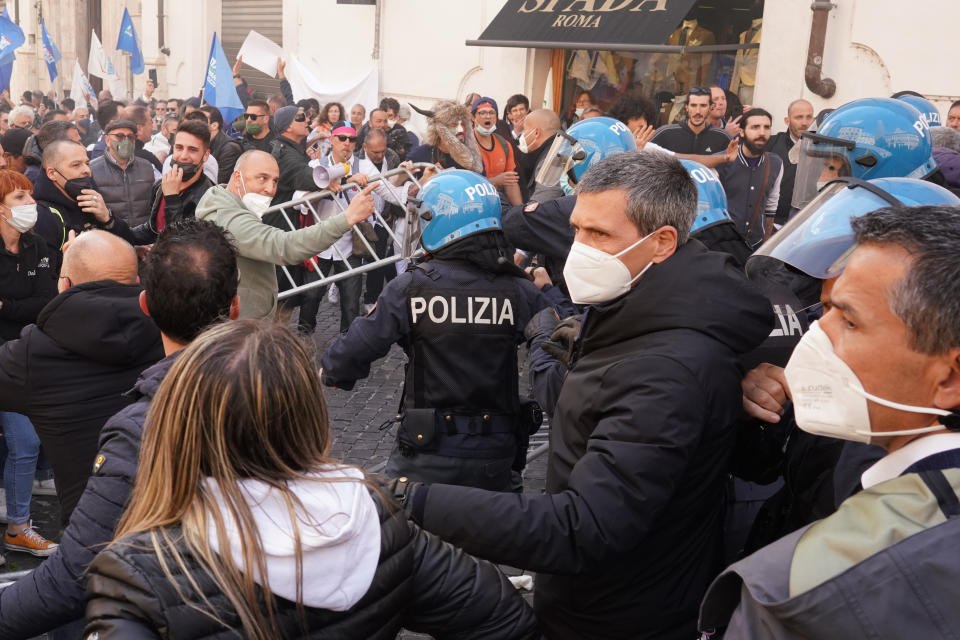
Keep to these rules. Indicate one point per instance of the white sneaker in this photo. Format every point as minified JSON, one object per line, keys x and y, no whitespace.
{"x":44,"y":487}
{"x":333,"y":294}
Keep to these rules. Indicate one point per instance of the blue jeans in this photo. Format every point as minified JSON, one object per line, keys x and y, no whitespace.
{"x":23,"y":447}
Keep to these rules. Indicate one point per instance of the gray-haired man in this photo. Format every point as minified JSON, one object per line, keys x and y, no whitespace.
{"x":629,"y":533}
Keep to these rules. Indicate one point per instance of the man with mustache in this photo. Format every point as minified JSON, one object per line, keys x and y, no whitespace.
{"x":752,"y":181}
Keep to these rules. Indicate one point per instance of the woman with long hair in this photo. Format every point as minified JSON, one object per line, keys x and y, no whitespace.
{"x":332,"y":113}
{"x":581,"y":100}
{"x":28,"y":281}
{"x":240,"y":520}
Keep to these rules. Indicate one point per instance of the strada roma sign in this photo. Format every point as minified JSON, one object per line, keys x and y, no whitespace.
{"x":580,"y":23}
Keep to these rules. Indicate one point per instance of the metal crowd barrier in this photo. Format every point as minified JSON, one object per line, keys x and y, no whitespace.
{"x":408,"y":243}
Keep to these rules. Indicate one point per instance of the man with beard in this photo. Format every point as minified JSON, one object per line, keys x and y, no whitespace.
{"x":695,"y":136}
{"x":752,"y":181}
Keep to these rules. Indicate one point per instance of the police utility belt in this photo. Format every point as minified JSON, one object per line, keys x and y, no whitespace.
{"x":468,"y":435}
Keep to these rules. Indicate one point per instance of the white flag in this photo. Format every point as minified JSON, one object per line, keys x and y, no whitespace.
{"x":80,"y":89}
{"x":99,"y":65}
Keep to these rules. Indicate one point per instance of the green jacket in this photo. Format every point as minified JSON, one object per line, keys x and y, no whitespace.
{"x":260,"y":247}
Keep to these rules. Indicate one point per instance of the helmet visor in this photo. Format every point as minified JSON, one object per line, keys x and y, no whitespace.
{"x":560,"y":158}
{"x":821,"y":160}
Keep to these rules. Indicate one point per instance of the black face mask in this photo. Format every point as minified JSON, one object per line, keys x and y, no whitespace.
{"x":74,"y":186}
{"x":189,"y":170}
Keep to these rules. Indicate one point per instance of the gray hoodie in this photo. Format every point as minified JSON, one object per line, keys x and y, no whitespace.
{"x":261,"y":247}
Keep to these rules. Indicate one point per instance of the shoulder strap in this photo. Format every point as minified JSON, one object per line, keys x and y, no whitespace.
{"x":941,"y":489}
{"x":503,"y":145}
{"x":63,"y":225}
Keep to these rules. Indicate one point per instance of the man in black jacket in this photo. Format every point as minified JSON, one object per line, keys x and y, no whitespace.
{"x":629,"y":534}
{"x":68,"y":372}
{"x":190,"y":278}
{"x":291,"y":155}
{"x":694,"y":136}
{"x":175,"y":196}
{"x":224,"y":148}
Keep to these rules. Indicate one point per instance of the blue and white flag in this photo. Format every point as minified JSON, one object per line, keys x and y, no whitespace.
{"x":218,"y":88}
{"x":11,"y":37}
{"x":51,"y":55}
{"x":6,"y":66}
{"x":128,"y":42}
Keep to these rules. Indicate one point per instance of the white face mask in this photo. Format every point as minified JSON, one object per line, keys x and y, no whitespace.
{"x":391,"y":123}
{"x":828,"y":398}
{"x":256,"y":202}
{"x":22,"y":217}
{"x":522,"y":142}
{"x":594,"y":276}
{"x":579,"y":111}
{"x":484,"y":131}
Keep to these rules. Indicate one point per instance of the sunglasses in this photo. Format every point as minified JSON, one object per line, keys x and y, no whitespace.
{"x":251,"y":116}
{"x":699,"y":91}
{"x":300,"y":117}
{"x":346,"y":138}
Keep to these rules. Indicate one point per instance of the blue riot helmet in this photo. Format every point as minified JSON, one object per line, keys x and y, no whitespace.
{"x":711,"y":198}
{"x":583,"y":145}
{"x":817,"y":242}
{"x":455,"y":204}
{"x":865,"y":139}
{"x":926,"y":108}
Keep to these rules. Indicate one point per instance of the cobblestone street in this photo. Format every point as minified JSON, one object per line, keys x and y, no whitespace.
{"x":356,"y":418}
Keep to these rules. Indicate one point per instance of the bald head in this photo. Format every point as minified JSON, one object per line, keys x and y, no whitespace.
{"x":539,"y":126}
{"x":255,"y":172}
{"x":98,"y":255}
{"x":799,"y":117}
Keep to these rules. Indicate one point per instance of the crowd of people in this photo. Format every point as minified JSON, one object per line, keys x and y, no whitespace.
{"x":746,"y":344}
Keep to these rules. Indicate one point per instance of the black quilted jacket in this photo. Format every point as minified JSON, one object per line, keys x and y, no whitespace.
{"x":421,"y":583}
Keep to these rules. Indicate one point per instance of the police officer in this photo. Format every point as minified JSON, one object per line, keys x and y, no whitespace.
{"x":459,"y":314}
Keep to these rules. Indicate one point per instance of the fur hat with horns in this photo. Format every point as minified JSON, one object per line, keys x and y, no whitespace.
{"x":442,"y":123}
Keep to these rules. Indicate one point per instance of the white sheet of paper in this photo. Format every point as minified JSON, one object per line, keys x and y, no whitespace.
{"x":261,"y":53}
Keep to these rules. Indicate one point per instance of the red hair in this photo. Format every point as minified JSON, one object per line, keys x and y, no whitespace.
{"x":10,"y":181}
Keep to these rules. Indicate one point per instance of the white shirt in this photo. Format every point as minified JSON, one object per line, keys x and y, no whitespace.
{"x":895,"y":463}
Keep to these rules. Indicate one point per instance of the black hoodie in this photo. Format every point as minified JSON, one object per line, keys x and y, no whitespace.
{"x":69,"y":371}
{"x":629,"y":535}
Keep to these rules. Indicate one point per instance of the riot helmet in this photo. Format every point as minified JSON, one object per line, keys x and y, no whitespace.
{"x":583,"y":145}
{"x":816,"y":243}
{"x":455,"y":204}
{"x":711,"y":198}
{"x":926,"y":108}
{"x":864,"y":139}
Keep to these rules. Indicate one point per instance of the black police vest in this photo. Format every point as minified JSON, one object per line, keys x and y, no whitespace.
{"x":465,"y":327}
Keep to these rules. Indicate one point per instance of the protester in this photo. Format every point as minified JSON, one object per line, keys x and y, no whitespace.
{"x":398,"y":138}
{"x":223,"y":148}
{"x":799,"y":118}
{"x":190,"y":281}
{"x":516,"y":109}
{"x":211,"y":168}
{"x":33,"y":149}
{"x":579,"y":104}
{"x":335,"y":545}
{"x":539,"y":129}
{"x":257,"y":135}
{"x":21,"y":117}
{"x":87,"y":348}
{"x":449,"y":140}
{"x":357,"y":114}
{"x":629,"y":533}
{"x":175,"y":196}
{"x":695,"y":136}
{"x":160,"y":143}
{"x":499,"y":165}
{"x":28,"y":283}
{"x":13,"y":142}
{"x":752,"y":181}
{"x":237,"y":207}
{"x":881,"y":367}
{"x":107,"y":112}
{"x":953,"y":116}
{"x":124,"y":180}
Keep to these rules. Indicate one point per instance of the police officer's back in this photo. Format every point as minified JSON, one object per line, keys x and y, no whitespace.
{"x":459,"y":314}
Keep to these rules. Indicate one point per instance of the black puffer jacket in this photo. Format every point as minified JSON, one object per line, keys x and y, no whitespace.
{"x":28,"y":281}
{"x":52,"y":594}
{"x":57,"y":215}
{"x":629,"y":534}
{"x":421,"y":583}
{"x":69,"y":371}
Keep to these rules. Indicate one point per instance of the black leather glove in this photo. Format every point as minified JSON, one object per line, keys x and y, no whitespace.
{"x":560,"y":344}
{"x":542,"y":323}
{"x":410,"y":495}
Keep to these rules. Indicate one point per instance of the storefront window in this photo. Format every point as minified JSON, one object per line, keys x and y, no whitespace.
{"x":665,"y":78}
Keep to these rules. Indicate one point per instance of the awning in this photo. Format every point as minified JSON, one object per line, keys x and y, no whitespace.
{"x":621,"y":25}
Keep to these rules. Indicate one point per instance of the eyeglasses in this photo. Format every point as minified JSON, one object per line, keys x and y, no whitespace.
{"x":487,"y":112}
{"x":346,"y":138}
{"x":300,"y":117}
{"x":251,"y":116}
{"x":120,"y":137}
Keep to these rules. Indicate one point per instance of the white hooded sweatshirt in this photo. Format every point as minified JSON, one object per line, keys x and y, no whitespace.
{"x":339,"y":534}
